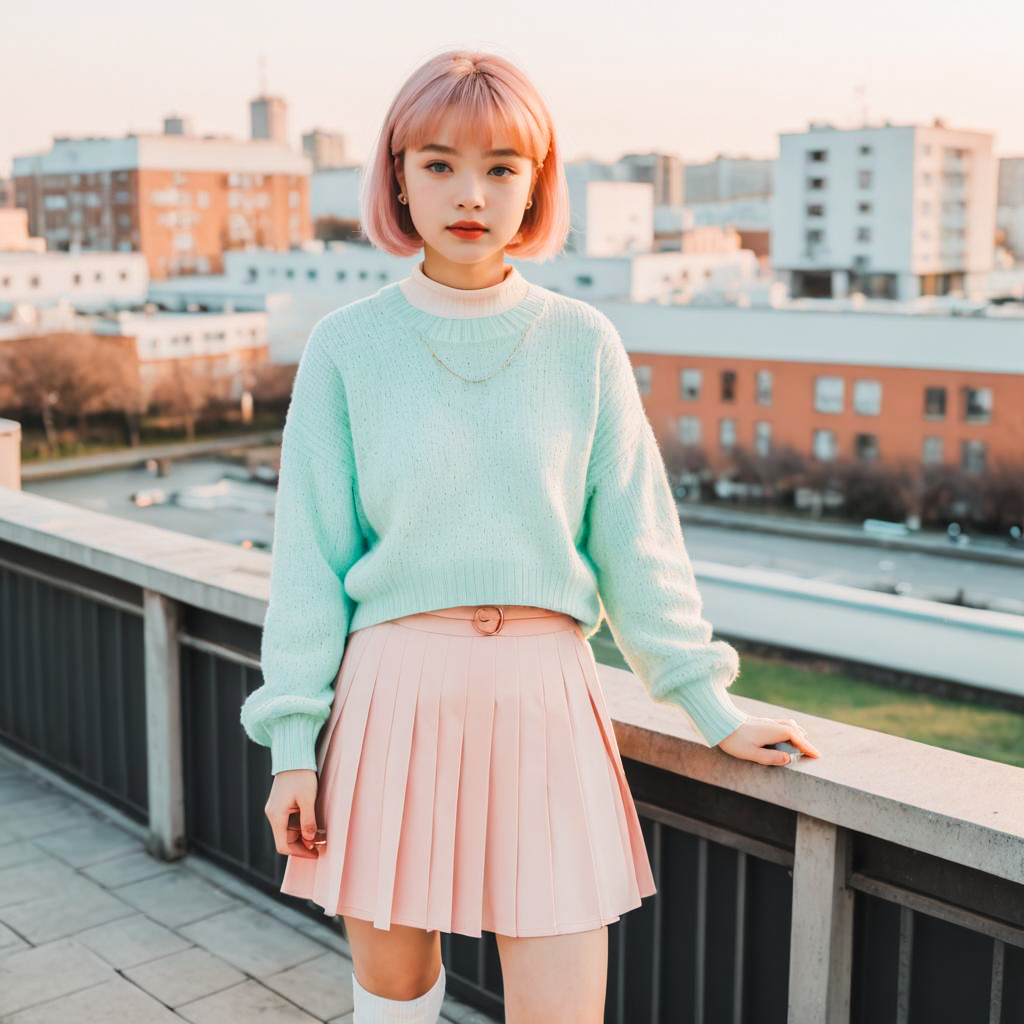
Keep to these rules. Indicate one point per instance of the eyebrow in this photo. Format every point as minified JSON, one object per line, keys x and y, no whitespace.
{"x":438,"y":148}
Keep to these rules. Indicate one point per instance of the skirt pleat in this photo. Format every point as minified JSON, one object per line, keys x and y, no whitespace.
{"x":472,"y":783}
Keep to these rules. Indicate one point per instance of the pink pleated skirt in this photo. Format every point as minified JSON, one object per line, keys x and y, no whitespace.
{"x":471,"y":781}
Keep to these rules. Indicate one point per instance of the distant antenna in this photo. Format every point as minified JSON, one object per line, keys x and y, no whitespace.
{"x":263,"y":74}
{"x":863,"y":106}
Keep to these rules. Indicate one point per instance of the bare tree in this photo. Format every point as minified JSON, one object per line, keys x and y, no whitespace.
{"x":40,"y":372}
{"x":183,"y":391}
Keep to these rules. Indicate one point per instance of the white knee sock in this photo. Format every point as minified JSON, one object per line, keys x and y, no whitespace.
{"x":372,"y":1009}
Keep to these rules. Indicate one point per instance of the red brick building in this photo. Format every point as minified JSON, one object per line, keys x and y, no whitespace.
{"x":181,"y":200}
{"x":929,"y":388}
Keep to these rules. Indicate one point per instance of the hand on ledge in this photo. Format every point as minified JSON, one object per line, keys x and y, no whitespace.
{"x":748,"y":742}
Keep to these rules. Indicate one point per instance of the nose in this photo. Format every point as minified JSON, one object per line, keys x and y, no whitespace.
{"x":471,"y":193}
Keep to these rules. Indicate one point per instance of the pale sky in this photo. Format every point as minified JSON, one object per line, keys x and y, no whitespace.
{"x":695,"y":80}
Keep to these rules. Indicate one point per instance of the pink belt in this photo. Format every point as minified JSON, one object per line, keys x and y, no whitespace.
{"x":489,"y":619}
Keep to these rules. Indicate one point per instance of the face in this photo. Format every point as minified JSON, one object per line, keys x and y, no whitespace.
{"x":448,"y":181}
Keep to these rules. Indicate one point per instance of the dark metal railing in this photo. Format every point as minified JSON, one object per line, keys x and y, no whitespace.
{"x":782,"y":895}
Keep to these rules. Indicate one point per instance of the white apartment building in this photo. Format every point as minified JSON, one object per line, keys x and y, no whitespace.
{"x":727,"y":178}
{"x":334,"y":193}
{"x":892,"y":211}
{"x":609,"y":216}
{"x":1010,"y":214}
{"x":223,"y":344}
{"x":86,"y":281}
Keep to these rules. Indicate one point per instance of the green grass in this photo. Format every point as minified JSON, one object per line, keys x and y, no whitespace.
{"x":150,"y":437}
{"x":992,"y":733}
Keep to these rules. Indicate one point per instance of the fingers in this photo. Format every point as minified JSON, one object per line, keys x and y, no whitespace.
{"x":767,"y":755}
{"x":798,"y":737}
{"x":287,"y":831}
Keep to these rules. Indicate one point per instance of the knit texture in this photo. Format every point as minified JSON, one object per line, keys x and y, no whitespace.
{"x":405,"y":489}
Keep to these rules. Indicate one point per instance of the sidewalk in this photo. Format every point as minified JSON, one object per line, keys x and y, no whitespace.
{"x":94,"y":929}
{"x":932,"y":542}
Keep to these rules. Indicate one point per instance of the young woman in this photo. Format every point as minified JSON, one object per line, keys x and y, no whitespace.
{"x":468,"y":484}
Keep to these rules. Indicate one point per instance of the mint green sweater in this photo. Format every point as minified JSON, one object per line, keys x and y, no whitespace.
{"x":405,"y":489}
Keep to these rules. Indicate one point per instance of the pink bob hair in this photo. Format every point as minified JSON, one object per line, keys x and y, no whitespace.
{"x":486,"y":93}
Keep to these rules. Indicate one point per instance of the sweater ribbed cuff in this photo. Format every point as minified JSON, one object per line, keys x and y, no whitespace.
{"x":712,"y":711}
{"x":293,"y":742}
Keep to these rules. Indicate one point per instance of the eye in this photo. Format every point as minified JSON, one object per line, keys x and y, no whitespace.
{"x":441,"y":163}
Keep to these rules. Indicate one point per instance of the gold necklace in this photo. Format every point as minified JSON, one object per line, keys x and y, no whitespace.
{"x":508,"y":358}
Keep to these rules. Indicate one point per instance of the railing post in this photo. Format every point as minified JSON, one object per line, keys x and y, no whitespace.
{"x":821,"y":940}
{"x":10,"y":454}
{"x":163,"y":728}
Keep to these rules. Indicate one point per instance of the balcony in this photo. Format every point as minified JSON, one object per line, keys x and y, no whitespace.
{"x":882,"y":882}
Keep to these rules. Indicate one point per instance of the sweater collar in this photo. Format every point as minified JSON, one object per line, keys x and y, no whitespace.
{"x":461,"y":303}
{"x":450,"y":315}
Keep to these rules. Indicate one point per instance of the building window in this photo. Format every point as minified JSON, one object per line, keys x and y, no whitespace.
{"x":865,"y":151}
{"x":977,"y":405}
{"x":863,"y":234}
{"x":866,"y":447}
{"x":972,"y":456}
{"x":823,"y":444}
{"x":689,"y":384}
{"x":863,"y":207}
{"x":689,"y":429}
{"x":339,"y":275}
{"x":817,"y":156}
{"x":728,"y":385}
{"x":816,"y":210}
{"x":763,"y":437}
{"x":311,"y":273}
{"x":726,"y":432}
{"x":864,"y":179}
{"x":828,"y":394}
{"x":814,"y":184}
{"x":642,"y":373}
{"x":764,"y":387}
{"x":867,"y":397}
{"x":931,"y":450}
{"x":584,"y":280}
{"x":934,"y":403}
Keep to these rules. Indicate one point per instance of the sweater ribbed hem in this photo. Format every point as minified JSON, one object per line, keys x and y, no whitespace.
{"x":458,"y":582}
{"x":293,"y":742}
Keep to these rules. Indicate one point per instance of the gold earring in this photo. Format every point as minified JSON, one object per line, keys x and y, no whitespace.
{"x":529,"y":203}
{"x":403,"y":198}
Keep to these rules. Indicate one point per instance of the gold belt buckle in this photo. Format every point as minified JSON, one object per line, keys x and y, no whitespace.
{"x":483,"y":621}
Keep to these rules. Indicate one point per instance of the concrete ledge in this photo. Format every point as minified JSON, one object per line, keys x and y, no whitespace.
{"x":203,"y":573}
{"x":966,"y":809}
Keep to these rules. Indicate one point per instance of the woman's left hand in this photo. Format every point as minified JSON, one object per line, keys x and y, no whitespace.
{"x":748,"y":741}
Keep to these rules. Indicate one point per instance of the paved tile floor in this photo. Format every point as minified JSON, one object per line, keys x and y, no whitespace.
{"x":94,"y":929}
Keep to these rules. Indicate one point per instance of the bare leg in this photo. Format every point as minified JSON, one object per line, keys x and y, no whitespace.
{"x":402,"y":963}
{"x":555,"y":979}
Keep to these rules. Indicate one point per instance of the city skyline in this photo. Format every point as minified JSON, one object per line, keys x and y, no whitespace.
{"x":681,"y":87}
